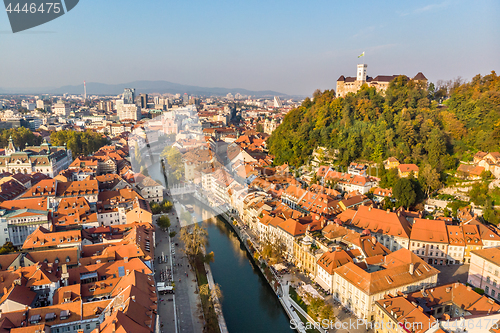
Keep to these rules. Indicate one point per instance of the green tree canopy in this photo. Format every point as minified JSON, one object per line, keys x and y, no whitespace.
{"x":404,"y":192}
{"x":163,"y":222}
{"x":80,"y":143}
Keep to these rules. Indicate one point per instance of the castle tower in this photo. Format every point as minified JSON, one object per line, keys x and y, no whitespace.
{"x":361,"y":76}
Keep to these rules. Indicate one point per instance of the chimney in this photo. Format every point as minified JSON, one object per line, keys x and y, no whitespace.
{"x":338,"y":249}
{"x":370,"y":208}
{"x":374,"y":240}
{"x":388,"y":210}
{"x":399,"y":213}
{"x":411,"y":269}
{"x":125,"y":260}
{"x":469,"y":288}
{"x":5,"y":290}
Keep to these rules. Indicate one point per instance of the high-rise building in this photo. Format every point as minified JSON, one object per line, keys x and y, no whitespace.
{"x":185,"y":98}
{"x":129,"y":96}
{"x":61,"y":109}
{"x":127,"y":111}
{"x":144,"y":101}
{"x":40,"y":104}
{"x":277,"y":102}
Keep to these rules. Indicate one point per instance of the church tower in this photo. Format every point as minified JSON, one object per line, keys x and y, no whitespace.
{"x":10,"y":148}
{"x":361,"y":73}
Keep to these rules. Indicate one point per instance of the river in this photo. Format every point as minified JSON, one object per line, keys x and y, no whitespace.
{"x":249,"y":304}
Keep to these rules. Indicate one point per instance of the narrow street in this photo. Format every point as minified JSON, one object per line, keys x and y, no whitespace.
{"x":181,"y":311}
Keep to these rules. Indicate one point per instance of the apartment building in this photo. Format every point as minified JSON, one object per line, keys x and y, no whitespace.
{"x":456,"y":246}
{"x":484,"y":271}
{"x":358,"y":287}
{"x":429,"y":240}
{"x":391,"y":229}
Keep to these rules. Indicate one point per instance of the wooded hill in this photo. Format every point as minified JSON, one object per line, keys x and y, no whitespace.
{"x":407,"y":122}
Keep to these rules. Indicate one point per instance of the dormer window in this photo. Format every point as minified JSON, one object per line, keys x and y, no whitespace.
{"x":50,"y":316}
{"x":65,"y":314}
{"x":35,"y":319}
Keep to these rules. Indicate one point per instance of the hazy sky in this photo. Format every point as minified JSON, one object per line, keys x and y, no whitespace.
{"x":290,"y":46}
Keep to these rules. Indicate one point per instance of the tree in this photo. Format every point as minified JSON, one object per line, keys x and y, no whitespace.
{"x":80,"y":143}
{"x":174,"y":161}
{"x":166,"y":206}
{"x":388,"y":178}
{"x":485,"y":175}
{"x":404,"y":192}
{"x":259,"y":128}
{"x":155,"y":208}
{"x":479,"y":193}
{"x":21,"y":137}
{"x":327,"y":313}
{"x":319,"y":310}
{"x":215,"y":295}
{"x":172,"y":234}
{"x":163,"y":222}
{"x":436,"y":147}
{"x":209,"y":257}
{"x":273,"y":251}
{"x":388,"y":204}
{"x":429,"y":179}
{"x":194,"y":238}
{"x":8,"y":247}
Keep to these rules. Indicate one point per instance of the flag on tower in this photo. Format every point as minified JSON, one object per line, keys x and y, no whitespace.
{"x":362,"y":54}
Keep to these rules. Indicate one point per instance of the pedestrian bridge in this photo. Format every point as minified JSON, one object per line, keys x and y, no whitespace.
{"x":182,"y":189}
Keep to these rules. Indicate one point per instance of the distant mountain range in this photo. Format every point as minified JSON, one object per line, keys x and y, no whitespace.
{"x":147,"y":87}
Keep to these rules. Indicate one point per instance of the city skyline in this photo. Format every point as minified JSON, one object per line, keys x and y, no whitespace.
{"x":287,"y":48}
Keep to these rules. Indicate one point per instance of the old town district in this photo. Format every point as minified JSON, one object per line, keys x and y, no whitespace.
{"x":83,"y":239}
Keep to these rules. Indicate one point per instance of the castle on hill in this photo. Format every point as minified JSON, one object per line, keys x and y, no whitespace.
{"x":349,"y":84}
